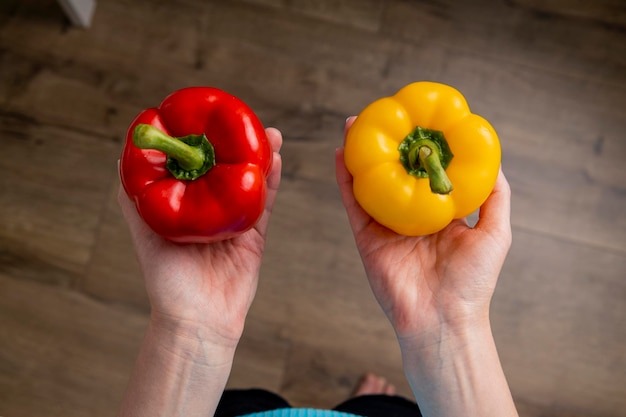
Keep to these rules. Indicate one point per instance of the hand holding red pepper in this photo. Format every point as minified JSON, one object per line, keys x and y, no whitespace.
{"x":199,"y":297}
{"x":196,"y":166}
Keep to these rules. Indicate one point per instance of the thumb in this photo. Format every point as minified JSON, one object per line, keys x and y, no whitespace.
{"x":138,"y":228}
{"x":495,"y":214}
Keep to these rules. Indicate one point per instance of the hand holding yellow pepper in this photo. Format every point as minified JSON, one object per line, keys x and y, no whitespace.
{"x":421,"y":158}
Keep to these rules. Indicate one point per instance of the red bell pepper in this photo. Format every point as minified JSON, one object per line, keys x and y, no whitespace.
{"x":196,"y":166}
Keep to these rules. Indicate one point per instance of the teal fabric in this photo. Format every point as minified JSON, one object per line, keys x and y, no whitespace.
{"x":300,"y":412}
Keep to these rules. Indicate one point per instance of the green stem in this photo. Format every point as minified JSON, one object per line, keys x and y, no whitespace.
{"x":429,"y":159}
{"x":189,"y":157}
{"x":425,"y":153}
{"x":149,"y":137}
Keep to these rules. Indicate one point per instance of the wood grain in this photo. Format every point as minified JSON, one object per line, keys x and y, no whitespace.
{"x":61,"y":352}
{"x":549,"y":75}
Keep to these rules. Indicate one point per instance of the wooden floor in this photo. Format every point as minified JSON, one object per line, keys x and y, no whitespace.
{"x":550,"y":75}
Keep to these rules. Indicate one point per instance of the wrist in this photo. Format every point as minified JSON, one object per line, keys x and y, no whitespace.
{"x":192,"y":340}
{"x":452,"y":321}
{"x":181,"y":370}
{"x":444,"y":336}
{"x":455,"y":370}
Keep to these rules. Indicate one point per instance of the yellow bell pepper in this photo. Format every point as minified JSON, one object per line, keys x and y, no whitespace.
{"x":421,"y":158}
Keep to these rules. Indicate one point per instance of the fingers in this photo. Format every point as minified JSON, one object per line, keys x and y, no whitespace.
{"x":276,"y":141}
{"x":356,"y":215}
{"x":128,"y":208}
{"x":273,"y":181}
{"x":275,"y":138}
{"x":140,"y":232}
{"x":349,"y":121}
{"x":495,"y":213}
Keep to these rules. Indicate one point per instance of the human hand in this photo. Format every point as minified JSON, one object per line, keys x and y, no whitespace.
{"x":207,"y":287}
{"x":427,"y":282}
{"x":436,"y":292}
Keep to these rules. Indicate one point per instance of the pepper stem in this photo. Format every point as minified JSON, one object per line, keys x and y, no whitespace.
{"x":425,"y":153}
{"x":429,"y":159}
{"x":188,"y":157}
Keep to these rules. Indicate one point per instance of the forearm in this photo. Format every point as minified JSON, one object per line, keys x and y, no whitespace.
{"x":457,"y":372}
{"x":178,"y":373}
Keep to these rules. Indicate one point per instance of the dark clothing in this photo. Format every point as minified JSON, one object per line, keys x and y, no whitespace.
{"x":240,"y":402}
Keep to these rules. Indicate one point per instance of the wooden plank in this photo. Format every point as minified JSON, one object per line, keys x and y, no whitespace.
{"x":64,"y":354}
{"x":270,"y":3}
{"x":39,"y":218}
{"x":566,"y":203}
{"x":297,"y":274}
{"x":526,"y":409}
{"x":113,"y":274}
{"x":261,"y":357}
{"x":64,"y":93}
{"x":302,"y":39}
{"x":558,"y":319}
{"x":609,"y":13}
{"x":325,"y":378}
{"x":121,"y":56}
{"x":361,"y":14}
{"x":246,"y":66}
{"x":503,"y":32}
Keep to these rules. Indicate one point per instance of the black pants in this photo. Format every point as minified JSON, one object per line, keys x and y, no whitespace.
{"x":240,"y":402}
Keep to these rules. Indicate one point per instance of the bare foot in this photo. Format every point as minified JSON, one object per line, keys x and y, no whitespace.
{"x":371,"y":384}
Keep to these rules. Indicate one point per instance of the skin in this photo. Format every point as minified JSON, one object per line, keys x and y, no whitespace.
{"x":199,"y":296}
{"x":435,"y":290}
